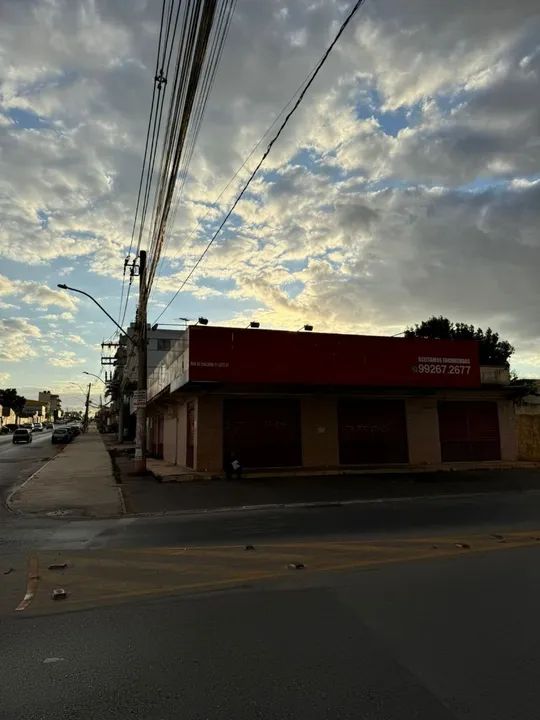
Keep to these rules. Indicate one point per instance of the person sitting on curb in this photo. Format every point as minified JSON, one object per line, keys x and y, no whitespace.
{"x":233,"y":467}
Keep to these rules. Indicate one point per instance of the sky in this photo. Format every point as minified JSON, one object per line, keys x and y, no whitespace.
{"x":407,"y":185}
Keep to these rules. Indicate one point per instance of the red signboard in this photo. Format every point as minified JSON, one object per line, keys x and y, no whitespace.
{"x":232,"y":355}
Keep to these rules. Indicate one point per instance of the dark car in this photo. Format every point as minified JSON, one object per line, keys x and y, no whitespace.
{"x":48,"y":426}
{"x":22,"y":435}
{"x":4,"y":430}
{"x":61,"y":435}
{"x":75,"y":430}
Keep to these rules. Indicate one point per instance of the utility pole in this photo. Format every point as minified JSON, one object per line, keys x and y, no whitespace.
{"x":86,"y":405}
{"x":142,"y":348}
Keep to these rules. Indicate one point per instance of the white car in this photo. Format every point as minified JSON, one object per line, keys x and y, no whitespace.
{"x":37,"y":427}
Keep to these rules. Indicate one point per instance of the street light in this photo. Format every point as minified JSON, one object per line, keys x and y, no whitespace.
{"x":307,"y":328}
{"x":202,"y":321}
{"x":96,"y":376}
{"x":62,"y":286}
{"x":254,"y":325}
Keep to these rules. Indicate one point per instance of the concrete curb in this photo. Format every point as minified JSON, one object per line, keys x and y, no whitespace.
{"x":323,"y":504}
{"x":276,"y":506}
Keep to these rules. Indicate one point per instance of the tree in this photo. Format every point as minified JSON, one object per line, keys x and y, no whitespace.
{"x":492,"y":350}
{"x":10,"y":399}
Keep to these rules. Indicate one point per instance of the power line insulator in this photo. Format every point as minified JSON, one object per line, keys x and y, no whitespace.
{"x":160,"y":79}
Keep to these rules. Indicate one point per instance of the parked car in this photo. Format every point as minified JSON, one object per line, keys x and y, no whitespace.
{"x":22,"y":435}
{"x":61,"y":436}
{"x":37,"y":427}
{"x":4,"y":430}
{"x":75,"y":430}
{"x":12,"y":426}
{"x":49,"y":426}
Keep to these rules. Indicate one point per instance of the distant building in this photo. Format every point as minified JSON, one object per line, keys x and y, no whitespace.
{"x":36,"y":410}
{"x":7,"y":416}
{"x":54,"y":404}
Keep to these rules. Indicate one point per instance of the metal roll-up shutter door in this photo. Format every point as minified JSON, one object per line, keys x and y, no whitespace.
{"x":469,"y":431}
{"x":372,"y":431}
{"x":263,"y":432}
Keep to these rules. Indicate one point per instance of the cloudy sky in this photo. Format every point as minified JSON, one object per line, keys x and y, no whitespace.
{"x":408,"y":184}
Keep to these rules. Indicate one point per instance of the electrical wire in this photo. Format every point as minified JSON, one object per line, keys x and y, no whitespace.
{"x":316,"y":71}
{"x":142,"y":169}
{"x":223,"y":26}
{"x":201,"y":51}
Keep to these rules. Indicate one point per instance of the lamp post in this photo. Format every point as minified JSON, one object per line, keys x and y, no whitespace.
{"x":140,"y":345}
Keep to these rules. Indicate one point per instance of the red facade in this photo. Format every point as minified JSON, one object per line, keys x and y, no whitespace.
{"x":219,"y":354}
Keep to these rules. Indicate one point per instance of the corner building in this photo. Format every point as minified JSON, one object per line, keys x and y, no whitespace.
{"x":288,"y":400}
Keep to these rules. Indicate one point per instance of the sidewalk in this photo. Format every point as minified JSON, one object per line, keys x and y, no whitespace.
{"x":78,"y":481}
{"x":146,"y":495}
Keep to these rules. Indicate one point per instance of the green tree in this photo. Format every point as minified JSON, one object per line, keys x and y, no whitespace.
{"x":11,"y":399}
{"x":492,"y":350}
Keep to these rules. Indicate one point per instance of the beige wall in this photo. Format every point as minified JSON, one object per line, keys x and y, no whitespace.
{"x":209,"y":434}
{"x":507,"y":430}
{"x":319,"y":432}
{"x":169,"y":438}
{"x":528,"y":434}
{"x":423,"y":431}
{"x":181,"y":433}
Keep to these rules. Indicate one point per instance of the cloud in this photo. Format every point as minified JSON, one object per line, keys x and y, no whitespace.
{"x":69,"y":316}
{"x":66,"y":359}
{"x":77,"y":339}
{"x":406,"y":184}
{"x":30,"y":292}
{"x":4,"y":377}
{"x":18,"y":337}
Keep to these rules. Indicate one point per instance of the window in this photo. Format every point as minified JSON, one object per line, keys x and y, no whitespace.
{"x":163,"y":344}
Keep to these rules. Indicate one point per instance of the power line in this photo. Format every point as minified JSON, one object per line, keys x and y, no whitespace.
{"x":318,"y":67}
{"x":202,"y":50}
{"x":143,"y":168}
{"x":223,"y":26}
{"x":242,"y":166}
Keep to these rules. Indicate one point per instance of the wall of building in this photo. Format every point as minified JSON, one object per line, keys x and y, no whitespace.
{"x":169,"y":438}
{"x":209,"y":433}
{"x":507,"y":430}
{"x":423,"y":431}
{"x":319,"y":431}
{"x":528,"y":428}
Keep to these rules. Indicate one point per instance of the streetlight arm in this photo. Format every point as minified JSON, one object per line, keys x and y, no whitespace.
{"x":93,"y":375}
{"x":93,"y":299}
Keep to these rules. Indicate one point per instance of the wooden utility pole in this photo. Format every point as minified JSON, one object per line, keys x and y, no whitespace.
{"x":86,"y":406}
{"x":142,"y":348}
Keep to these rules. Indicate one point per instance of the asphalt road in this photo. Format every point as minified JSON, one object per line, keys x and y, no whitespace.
{"x":487,"y":512}
{"x":431,"y":640}
{"x":17,"y":462}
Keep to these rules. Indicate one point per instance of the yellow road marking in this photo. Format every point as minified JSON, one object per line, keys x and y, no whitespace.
{"x":32,"y":580}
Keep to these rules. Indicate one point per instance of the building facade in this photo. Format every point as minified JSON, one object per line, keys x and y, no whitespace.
{"x":124,"y":377}
{"x":317,"y":401}
{"x":53,"y":403}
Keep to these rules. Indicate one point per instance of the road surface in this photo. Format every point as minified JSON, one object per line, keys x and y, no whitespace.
{"x":423,"y":609}
{"x":447,"y":639}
